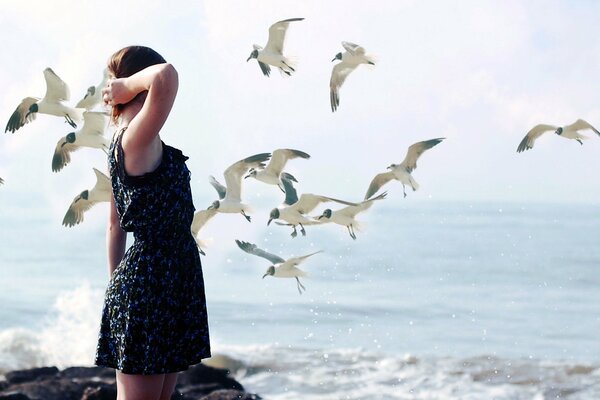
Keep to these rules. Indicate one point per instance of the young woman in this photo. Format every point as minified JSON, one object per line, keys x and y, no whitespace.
{"x":154,"y":321}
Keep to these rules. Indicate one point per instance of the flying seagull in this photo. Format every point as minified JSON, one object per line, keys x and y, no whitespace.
{"x":200,"y":219}
{"x":293,"y":210}
{"x":57,"y":91}
{"x":281,"y":268}
{"x":230,"y":197}
{"x":345,"y":216}
{"x":101,"y":192}
{"x":272,"y":54}
{"x":568,"y":131}
{"x":1,"y":181}
{"x":272,"y":173}
{"x":90,"y":135}
{"x":351,"y":58}
{"x":401,"y":172}
{"x":93,"y":96}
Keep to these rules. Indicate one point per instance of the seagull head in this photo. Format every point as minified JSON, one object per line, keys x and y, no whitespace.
{"x":254,"y":53}
{"x":85,"y":194}
{"x":338,"y":56}
{"x":273,"y":215}
{"x":326,"y":214}
{"x":70,"y":138}
{"x":251,"y":172}
{"x":559,"y":131}
{"x":215,"y":205}
{"x":391,"y":166}
{"x":32,"y":109}
{"x":270,"y":271}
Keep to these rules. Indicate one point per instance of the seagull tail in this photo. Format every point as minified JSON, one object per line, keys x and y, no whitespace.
{"x":359,"y":226}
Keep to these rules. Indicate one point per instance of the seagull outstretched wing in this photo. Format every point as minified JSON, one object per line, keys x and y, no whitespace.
{"x":338,"y":76}
{"x":277,"y":33}
{"x":251,"y":248}
{"x":378,"y":181}
{"x":234,"y":174}
{"x":19,"y":117}
{"x":56,"y":89}
{"x":581,"y":124}
{"x":415,"y":151}
{"x":532,"y":135}
{"x":309,"y":202}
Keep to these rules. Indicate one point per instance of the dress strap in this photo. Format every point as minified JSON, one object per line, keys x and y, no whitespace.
{"x":119,"y":148}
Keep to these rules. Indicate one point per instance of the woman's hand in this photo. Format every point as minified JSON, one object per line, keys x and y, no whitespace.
{"x":116,"y":92}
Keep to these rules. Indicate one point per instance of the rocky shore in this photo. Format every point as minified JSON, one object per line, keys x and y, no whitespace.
{"x":199,"y":382}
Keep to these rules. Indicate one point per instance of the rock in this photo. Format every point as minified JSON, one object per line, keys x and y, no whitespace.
{"x":102,"y":391}
{"x":87,"y":372}
{"x":28,"y":375}
{"x":50,"y":389}
{"x":228,"y":394}
{"x":201,"y":374}
{"x":14,"y":396}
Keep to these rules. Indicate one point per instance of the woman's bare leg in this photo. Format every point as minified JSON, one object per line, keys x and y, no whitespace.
{"x":139,"y":387}
{"x":169,"y":386}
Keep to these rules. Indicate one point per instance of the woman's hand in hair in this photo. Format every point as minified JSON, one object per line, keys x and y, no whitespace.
{"x":117,"y":91}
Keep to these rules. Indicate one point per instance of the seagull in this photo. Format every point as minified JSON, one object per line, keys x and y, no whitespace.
{"x":401,"y":172}
{"x":345,"y":216}
{"x":272,"y":173}
{"x":272,"y":54}
{"x":93,"y":96}
{"x":281,"y":268}
{"x":294,"y":209}
{"x":101,"y":192}
{"x":57,"y":91}
{"x":568,"y":131}
{"x":1,"y":181}
{"x":90,"y":135}
{"x":200,"y":219}
{"x":230,"y":197}
{"x":351,"y":58}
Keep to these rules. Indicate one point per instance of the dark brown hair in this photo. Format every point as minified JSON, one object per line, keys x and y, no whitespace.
{"x":127,"y":62}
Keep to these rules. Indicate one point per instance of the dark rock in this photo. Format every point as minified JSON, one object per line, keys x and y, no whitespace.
{"x":201,"y":374}
{"x":228,"y":394}
{"x":50,"y":389}
{"x":4,"y":385}
{"x":87,"y":372}
{"x":13,"y":396}
{"x":101,"y":391}
{"x":28,"y":375}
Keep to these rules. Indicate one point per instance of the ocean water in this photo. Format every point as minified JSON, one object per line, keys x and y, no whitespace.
{"x":434,"y":300}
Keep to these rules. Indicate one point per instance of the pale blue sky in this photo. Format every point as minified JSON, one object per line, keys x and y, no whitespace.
{"x":479,"y":73}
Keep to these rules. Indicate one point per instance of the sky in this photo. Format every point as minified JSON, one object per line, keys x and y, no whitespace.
{"x":478,"y":73}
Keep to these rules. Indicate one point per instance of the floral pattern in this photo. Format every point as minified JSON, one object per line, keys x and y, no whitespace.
{"x":154,"y":317}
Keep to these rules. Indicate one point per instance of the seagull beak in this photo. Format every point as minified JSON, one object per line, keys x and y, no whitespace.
{"x":320,"y":216}
{"x":265,"y":275}
{"x":210,"y":207}
{"x":270,"y":219}
{"x":247,"y":176}
{"x":334,"y":58}
{"x":372,"y":63}
{"x":249,"y":58}
{"x":28,"y":114}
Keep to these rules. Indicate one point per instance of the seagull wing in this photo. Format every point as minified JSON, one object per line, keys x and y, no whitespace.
{"x":201,"y":218}
{"x":92,"y":97}
{"x":19,"y":116}
{"x":351,"y":211}
{"x":1,"y":181}
{"x":581,"y":124}
{"x":101,"y":192}
{"x":62,"y":155}
{"x":277,"y":33}
{"x":56,"y":88}
{"x":292,"y":262}
{"x":415,"y":151}
{"x":266,"y":70}
{"x":221,"y":190}
{"x":353,"y":49}
{"x":532,"y":135}
{"x":280,"y":158}
{"x":251,"y":248}
{"x":94,"y":123}
{"x":309,"y":202}
{"x":338,"y":76}
{"x":291,"y":196}
{"x":378,"y":182}
{"x":103,"y":189}
{"x":234,"y":174}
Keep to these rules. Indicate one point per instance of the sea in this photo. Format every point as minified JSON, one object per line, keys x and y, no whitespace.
{"x":433,"y":300}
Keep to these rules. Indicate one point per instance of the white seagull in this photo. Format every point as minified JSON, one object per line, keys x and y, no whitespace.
{"x":351,"y":58}
{"x":281,"y":268}
{"x":90,"y":135}
{"x":272,"y":173}
{"x":93,"y":96}
{"x":57,"y":91}
{"x":345,"y":216}
{"x":101,"y":192}
{"x":568,"y":132}
{"x":401,"y":172}
{"x":294,"y":209}
{"x":272,"y":54}
{"x":230,"y":197}
{"x":200,"y":219}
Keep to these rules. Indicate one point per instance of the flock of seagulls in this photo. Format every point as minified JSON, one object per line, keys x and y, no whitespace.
{"x":268,"y":168}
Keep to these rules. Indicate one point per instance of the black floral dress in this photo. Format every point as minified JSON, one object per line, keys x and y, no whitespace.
{"x":154,"y":317}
